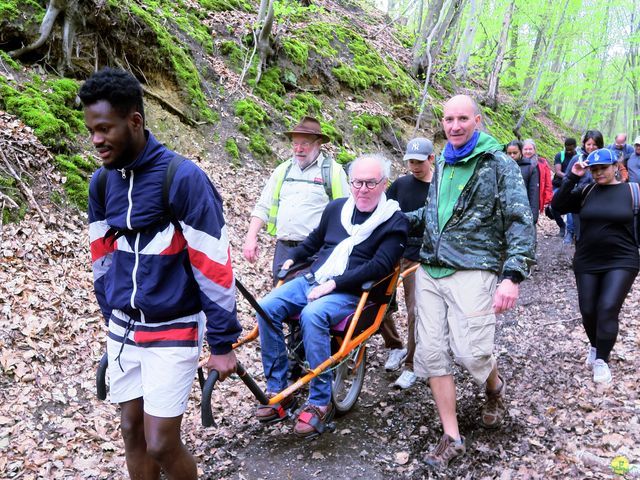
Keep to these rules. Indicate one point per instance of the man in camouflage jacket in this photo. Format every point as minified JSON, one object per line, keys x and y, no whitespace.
{"x":477,"y":226}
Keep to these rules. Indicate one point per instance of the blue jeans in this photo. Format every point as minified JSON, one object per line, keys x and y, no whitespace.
{"x":315,"y":318}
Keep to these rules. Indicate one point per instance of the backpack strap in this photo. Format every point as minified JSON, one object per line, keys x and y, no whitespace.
{"x":635,"y":205}
{"x":586,"y":191}
{"x":102,"y":186}
{"x":325,"y":170}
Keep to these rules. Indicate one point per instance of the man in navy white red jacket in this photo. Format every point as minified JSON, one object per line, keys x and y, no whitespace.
{"x":159,"y":276}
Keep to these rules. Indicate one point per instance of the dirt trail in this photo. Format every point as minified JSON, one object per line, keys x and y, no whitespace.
{"x":560,"y":424}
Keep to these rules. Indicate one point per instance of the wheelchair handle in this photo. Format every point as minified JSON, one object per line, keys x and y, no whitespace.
{"x":207,"y":390}
{"x":101,"y":377}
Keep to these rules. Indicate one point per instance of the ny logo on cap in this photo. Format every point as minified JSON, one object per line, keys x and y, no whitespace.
{"x":415,"y":146}
{"x":596,"y":157}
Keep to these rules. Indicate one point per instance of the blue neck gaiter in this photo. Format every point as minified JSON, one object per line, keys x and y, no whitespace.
{"x":452,"y":155}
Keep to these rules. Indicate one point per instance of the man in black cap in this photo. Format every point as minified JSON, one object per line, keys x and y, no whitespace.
{"x":296,"y":194}
{"x":410,"y":191}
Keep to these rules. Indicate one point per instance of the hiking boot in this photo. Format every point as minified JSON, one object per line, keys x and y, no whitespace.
{"x":591,"y":356}
{"x":405,"y":380}
{"x":601,"y":372}
{"x":494,"y":410}
{"x":395,"y":359}
{"x":446,"y":450}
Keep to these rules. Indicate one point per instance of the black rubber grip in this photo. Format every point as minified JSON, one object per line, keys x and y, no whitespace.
{"x":101,"y":377}
{"x":205,"y":404}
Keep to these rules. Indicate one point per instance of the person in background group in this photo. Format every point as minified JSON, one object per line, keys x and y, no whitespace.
{"x":411,"y":193}
{"x":591,"y":141}
{"x":529,"y":170}
{"x":560,"y":163}
{"x":606,"y":261}
{"x":633,"y":164}
{"x":621,"y":149}
{"x":296,"y":194}
{"x":477,"y":226}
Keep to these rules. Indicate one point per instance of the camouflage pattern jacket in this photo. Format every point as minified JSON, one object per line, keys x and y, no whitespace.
{"x":491,"y":227}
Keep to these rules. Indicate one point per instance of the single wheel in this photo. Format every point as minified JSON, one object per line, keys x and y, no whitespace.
{"x":347,"y":383}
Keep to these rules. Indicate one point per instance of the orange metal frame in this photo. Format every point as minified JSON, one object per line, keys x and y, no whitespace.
{"x":347,"y":343}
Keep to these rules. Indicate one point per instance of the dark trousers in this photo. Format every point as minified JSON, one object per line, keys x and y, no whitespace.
{"x":600,"y":296}
{"x":281,"y":255}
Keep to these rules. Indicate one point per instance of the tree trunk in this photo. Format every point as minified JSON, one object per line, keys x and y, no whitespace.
{"x":538,"y":47}
{"x":420,"y":47}
{"x":263,"y":36}
{"x":532,"y":94}
{"x":466,"y":43}
{"x":492,"y":93}
{"x":54,"y":8}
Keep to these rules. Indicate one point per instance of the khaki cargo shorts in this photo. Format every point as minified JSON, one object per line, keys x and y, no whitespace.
{"x":456,"y":313}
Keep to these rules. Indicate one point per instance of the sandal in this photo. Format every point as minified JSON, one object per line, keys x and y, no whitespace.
{"x":314,"y":420}
{"x":276,"y":412}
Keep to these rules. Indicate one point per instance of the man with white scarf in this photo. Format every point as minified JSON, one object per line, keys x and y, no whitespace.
{"x":360,"y":238}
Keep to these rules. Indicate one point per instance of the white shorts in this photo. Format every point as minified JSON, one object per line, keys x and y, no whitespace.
{"x":158,"y":361}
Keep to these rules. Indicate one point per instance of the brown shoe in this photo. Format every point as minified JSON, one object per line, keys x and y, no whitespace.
{"x":313,"y":420}
{"x":445,"y":451}
{"x":277,"y":411}
{"x":494,"y":410}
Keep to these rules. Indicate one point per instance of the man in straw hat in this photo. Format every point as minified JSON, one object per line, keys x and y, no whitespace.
{"x":296,"y":194}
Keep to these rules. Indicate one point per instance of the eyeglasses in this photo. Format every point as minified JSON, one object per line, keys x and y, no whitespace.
{"x":302,"y":144}
{"x":370,"y":184}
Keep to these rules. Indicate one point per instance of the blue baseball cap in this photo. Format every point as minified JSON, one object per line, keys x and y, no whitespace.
{"x":603,"y":156}
{"x":418,"y":149}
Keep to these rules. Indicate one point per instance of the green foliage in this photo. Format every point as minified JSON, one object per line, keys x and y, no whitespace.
{"x":294,"y":11}
{"x":405,"y":36}
{"x":303,"y":104}
{"x":344,"y":156}
{"x":11,"y":9}
{"x":270,"y":88}
{"x":231,"y":147}
{"x":365,"y":126}
{"x":182,"y":63}
{"x":258,"y":145}
{"x":296,"y":50}
{"x":77,"y":170}
{"x":48,"y":107}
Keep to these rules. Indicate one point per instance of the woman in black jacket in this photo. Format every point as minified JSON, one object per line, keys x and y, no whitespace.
{"x":606,"y":261}
{"x":530,"y":174}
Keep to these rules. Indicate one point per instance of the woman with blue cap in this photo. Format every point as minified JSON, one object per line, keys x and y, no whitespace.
{"x":606,"y":261}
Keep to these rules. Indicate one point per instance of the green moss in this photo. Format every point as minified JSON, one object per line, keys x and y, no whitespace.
{"x":258,"y":145}
{"x":303,"y":104}
{"x":7,"y":60}
{"x":270,"y":88}
{"x":231,"y":147}
{"x":253,"y":116}
{"x":296,"y":50}
{"x":183,"y":66}
{"x":77,"y":171}
{"x":225,"y":5}
{"x":344,"y":156}
{"x":11,"y":9}
{"x":233,"y":51}
{"x":332,"y":132}
{"x":294,"y":11}
{"x":365,"y":126}
{"x":48,"y":107}
{"x":366,"y":68}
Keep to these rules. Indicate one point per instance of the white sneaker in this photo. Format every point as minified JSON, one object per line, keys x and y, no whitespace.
{"x":405,"y":380}
{"x":395,"y":359}
{"x":601,"y":372}
{"x":591,"y":356}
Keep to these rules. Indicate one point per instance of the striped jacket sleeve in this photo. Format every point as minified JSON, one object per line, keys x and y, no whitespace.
{"x":101,"y":249}
{"x":198,"y":207}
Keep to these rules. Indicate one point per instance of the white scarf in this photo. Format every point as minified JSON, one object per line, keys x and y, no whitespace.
{"x":337,"y":262}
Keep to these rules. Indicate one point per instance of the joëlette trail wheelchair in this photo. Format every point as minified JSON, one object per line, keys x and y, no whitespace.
{"x":348,"y":348}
